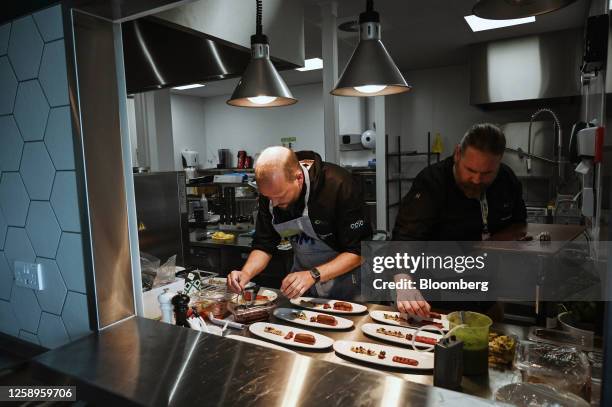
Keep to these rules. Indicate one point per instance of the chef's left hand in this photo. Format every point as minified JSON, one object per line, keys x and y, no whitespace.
{"x":296,"y":284}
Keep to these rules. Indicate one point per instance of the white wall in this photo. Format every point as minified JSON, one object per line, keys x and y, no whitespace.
{"x":188,"y":129}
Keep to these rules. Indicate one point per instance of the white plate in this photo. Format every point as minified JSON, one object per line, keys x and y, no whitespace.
{"x":322,"y":341}
{"x":357,"y":308}
{"x":259,"y":342}
{"x":370,"y":329}
{"x":425,"y":359}
{"x":288,"y":314}
{"x":380,"y":317}
{"x":223,"y":281}
{"x":262,"y":291}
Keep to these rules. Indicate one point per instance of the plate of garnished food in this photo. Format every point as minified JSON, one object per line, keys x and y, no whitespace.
{"x":329,"y":305}
{"x":290,"y":336}
{"x":396,"y":318}
{"x":312,"y":319}
{"x":385,"y":355}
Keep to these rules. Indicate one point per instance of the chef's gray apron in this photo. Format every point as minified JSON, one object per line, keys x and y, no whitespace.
{"x":310,"y":251}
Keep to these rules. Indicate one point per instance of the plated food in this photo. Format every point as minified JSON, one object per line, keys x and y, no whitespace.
{"x":312,"y":319}
{"x":501,"y":349}
{"x":384,"y":355}
{"x":395,"y":318}
{"x":290,"y":336}
{"x":263,"y":297}
{"x":401,"y":335}
{"x":327,"y":305}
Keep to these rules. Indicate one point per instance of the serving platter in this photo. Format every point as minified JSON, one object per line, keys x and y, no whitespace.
{"x":327,"y":305}
{"x":395,"y":318}
{"x":419,"y":360}
{"x":296,"y":316}
{"x":259,"y":329}
{"x":374,"y":330}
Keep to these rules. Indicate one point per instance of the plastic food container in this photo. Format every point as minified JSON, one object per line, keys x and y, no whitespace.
{"x":541,"y":395}
{"x":475,"y":336}
{"x":212,"y":300}
{"x":562,"y":367}
{"x":247,"y":315}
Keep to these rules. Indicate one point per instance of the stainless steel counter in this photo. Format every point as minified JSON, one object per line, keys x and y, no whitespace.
{"x":145,"y":362}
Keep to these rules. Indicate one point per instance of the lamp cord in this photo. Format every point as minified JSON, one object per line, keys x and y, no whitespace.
{"x":370,"y":5}
{"x":259,"y":26}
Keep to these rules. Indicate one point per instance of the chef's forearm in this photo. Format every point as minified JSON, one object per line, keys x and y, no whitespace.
{"x":256,"y":263}
{"x":341,"y":264}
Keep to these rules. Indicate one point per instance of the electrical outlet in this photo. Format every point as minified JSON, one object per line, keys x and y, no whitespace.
{"x":29,"y":275}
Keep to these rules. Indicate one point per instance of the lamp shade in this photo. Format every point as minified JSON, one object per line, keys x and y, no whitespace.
{"x":370,"y":71}
{"x":510,"y":9}
{"x":261,"y":85}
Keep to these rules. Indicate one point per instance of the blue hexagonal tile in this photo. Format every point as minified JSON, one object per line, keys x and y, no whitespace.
{"x":18,"y":247}
{"x":31,"y":110}
{"x":43,"y":229}
{"x":75,"y":315}
{"x":53,"y":75}
{"x":58,"y":138}
{"x":8,"y":84}
{"x":29,"y":336}
{"x":3,"y":227}
{"x":65,"y":201}
{"x":12,"y":144}
{"x":51,"y":298}
{"x":26,"y":308}
{"x":25,"y":48}
{"x":70,"y":261}
{"x":14,"y":199}
{"x":8,"y":322}
{"x":5,"y":32}
{"x":49,"y":22}
{"x":51,"y":331}
{"x":6,"y":278}
{"x":37,"y":171}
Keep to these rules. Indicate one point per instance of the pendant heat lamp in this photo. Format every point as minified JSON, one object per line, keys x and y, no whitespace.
{"x":261,"y":85}
{"x":370,"y":71}
{"x":511,"y":9}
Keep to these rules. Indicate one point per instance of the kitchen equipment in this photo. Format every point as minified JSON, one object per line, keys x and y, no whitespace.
{"x":181,"y":305}
{"x":248,"y":314}
{"x":472,"y":329}
{"x":229,"y":178}
{"x":204,"y":208}
{"x":368,"y":139}
{"x":212,"y":300}
{"x":569,"y":324}
{"x":190,"y":158}
{"x":559,"y":338}
{"x":244,"y":192}
{"x":225,"y":158}
{"x":448,"y":363}
{"x":165,"y":304}
{"x":529,"y":394}
{"x":241,"y":159}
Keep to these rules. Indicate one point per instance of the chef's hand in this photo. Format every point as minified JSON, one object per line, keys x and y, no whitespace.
{"x":236,"y":280}
{"x":412,"y":302}
{"x":296,"y":284}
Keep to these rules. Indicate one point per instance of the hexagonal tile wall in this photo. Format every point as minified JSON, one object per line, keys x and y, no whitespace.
{"x":3,"y":227}
{"x":43,"y":229}
{"x":31,"y":110}
{"x":12,"y":144}
{"x":75,"y":315}
{"x":51,"y":298}
{"x":65,"y":201}
{"x":53,"y":75}
{"x":18,"y":247}
{"x":29,"y":336}
{"x":6,"y":278}
{"x":26,"y":308}
{"x":8,"y":84}
{"x":49,"y":23}
{"x":37,"y":171}
{"x":5,"y":32}
{"x":25,"y":48}
{"x":51,"y":331}
{"x":8,"y":321}
{"x":14,"y":199}
{"x":70,"y":261}
{"x":58,"y":138}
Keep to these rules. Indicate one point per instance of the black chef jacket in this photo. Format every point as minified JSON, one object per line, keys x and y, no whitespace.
{"x":335,"y":207}
{"x":435,"y":209}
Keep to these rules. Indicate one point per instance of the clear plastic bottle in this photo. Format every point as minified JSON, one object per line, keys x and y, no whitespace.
{"x":204,"y":206}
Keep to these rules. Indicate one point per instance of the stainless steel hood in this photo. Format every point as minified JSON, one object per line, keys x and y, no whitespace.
{"x":527,"y":68}
{"x":159,"y":54}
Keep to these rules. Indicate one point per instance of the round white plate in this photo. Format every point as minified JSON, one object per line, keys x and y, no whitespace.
{"x":425,"y":359}
{"x":320,"y":302}
{"x":259,"y":342}
{"x":223,"y":281}
{"x":380,"y":317}
{"x":289,"y":314}
{"x":258,"y":329}
{"x":262,"y":291}
{"x":370,"y":329}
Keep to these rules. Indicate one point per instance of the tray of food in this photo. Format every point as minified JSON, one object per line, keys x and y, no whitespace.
{"x":396,"y":318}
{"x":501,"y":349}
{"x":312,"y":319}
{"x":327,"y":305}
{"x":290,"y":336}
{"x":402,"y":335}
{"x":384,"y":355}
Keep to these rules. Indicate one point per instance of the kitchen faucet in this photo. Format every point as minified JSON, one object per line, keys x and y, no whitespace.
{"x":558,"y":136}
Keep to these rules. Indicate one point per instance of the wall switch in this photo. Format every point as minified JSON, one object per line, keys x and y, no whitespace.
{"x":29,"y":275}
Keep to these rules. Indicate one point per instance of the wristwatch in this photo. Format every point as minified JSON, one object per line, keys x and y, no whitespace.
{"x":316,"y":275}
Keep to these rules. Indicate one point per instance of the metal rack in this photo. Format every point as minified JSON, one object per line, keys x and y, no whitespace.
{"x":399,"y":154}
